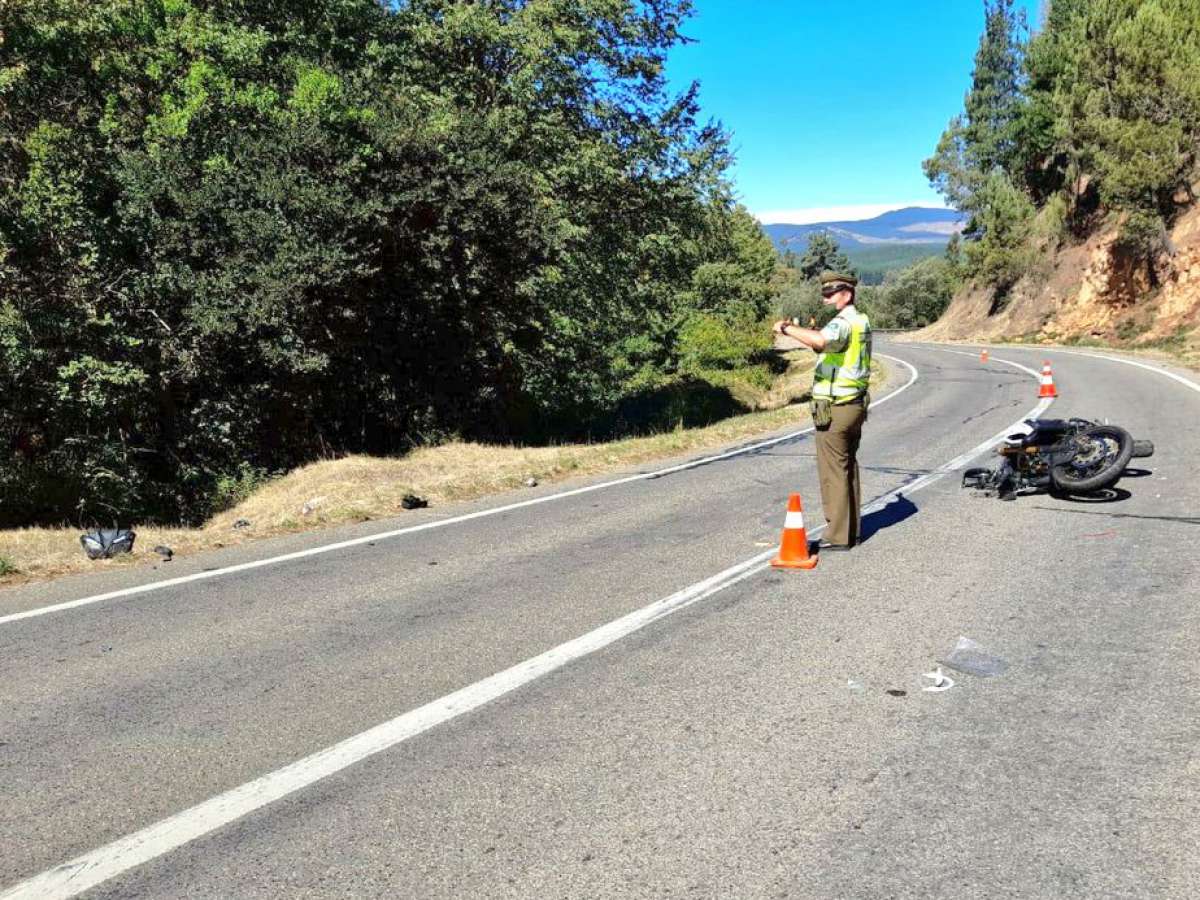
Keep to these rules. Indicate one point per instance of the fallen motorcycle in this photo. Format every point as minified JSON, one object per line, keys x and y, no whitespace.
{"x":1059,"y":456}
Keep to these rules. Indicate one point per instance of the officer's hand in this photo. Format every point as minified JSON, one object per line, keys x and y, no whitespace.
{"x":779,"y":326}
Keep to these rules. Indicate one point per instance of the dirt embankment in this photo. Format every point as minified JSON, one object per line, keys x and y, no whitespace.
{"x":1092,"y":293}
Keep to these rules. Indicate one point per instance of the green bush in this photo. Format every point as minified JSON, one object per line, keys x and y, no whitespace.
{"x":708,"y":342}
{"x":1129,"y":329}
{"x":232,"y":488}
{"x":7,"y":567}
{"x":1142,"y":233}
{"x":757,"y":378}
{"x":912,"y":297}
{"x":802,"y":301}
{"x":1050,"y":226}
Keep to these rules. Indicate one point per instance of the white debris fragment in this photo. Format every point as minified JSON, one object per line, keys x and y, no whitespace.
{"x":941,"y":682}
{"x":309,"y":506}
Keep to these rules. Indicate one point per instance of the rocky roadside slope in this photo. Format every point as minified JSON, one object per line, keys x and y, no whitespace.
{"x":1089,"y":293}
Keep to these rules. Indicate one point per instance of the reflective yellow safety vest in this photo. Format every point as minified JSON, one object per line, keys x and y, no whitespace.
{"x":842,"y":375}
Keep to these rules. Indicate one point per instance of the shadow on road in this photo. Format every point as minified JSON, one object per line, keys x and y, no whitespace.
{"x":895,"y":512}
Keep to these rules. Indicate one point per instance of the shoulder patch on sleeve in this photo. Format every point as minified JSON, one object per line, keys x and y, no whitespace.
{"x":836,"y":333}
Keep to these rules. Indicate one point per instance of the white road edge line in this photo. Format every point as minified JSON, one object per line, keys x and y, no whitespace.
{"x":90,"y":869}
{"x":1161,"y":370}
{"x":1048,"y":351}
{"x":426,"y":526}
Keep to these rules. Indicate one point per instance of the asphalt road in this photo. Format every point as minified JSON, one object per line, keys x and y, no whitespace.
{"x":745,"y":746}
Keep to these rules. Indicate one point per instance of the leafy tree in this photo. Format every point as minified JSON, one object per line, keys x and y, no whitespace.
{"x":235,"y":237}
{"x":912,"y":297}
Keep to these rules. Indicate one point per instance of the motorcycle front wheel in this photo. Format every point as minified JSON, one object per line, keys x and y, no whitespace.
{"x":1101,"y":455}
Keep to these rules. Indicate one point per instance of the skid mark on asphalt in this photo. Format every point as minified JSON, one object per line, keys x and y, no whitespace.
{"x":1182,"y":520}
{"x":980,"y":415}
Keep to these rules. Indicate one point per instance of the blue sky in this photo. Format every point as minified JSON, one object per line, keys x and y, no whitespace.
{"x":831,"y":104}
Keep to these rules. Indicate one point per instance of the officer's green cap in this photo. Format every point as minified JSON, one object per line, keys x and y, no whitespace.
{"x":838,"y":279}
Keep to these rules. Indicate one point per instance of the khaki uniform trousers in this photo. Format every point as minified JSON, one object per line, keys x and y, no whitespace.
{"x":837,"y":468}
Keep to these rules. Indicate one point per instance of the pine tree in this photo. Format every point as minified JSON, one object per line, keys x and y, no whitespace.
{"x":983,"y":140}
{"x":994,"y":102}
{"x":823,"y":253}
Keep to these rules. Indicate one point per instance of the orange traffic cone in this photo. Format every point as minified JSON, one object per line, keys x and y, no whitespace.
{"x":1047,"y":389}
{"x":793,"y":549}
{"x":983,"y":356}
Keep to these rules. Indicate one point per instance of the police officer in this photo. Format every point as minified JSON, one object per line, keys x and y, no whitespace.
{"x":840,"y":401}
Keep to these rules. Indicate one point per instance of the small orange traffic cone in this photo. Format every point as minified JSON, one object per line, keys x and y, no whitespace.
{"x":1047,"y":389}
{"x":983,"y":356}
{"x":793,"y":549}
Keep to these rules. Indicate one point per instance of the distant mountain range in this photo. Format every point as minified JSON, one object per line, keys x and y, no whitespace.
{"x":911,"y":226}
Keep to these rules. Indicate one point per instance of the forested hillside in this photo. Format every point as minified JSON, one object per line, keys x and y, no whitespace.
{"x":235,"y":237}
{"x":1075,"y":158}
{"x":875,"y":247}
{"x":901,"y":298}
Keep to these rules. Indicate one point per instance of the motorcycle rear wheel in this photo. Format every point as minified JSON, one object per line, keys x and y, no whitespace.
{"x":1102,"y":455}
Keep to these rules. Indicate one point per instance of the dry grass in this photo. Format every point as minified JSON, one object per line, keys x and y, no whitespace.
{"x":359,"y":488}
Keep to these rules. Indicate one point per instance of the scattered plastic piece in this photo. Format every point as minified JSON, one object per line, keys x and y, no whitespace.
{"x":105,"y":543}
{"x":165,"y":552}
{"x":412,"y":501}
{"x":896,"y":692}
{"x":241,"y":523}
{"x":531,"y":482}
{"x":310,"y":505}
{"x":856,"y":686}
{"x":968,"y":656}
{"x":941,"y":682}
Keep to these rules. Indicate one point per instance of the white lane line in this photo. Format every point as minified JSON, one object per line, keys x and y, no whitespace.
{"x":87,"y":871}
{"x":440,"y":523}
